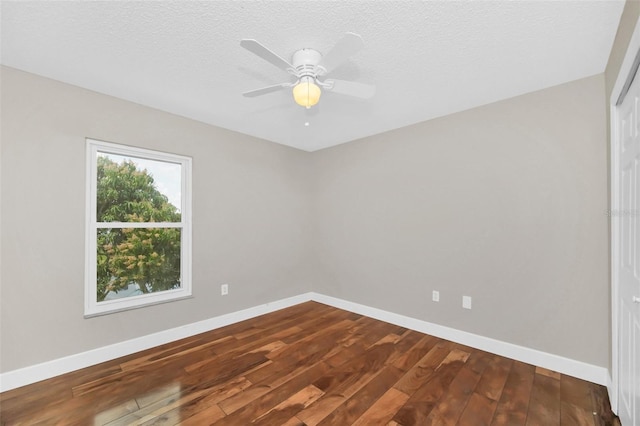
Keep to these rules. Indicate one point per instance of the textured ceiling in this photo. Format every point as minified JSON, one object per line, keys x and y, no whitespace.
{"x":427,"y":59}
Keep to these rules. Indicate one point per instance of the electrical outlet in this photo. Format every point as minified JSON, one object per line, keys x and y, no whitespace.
{"x":435,"y":296}
{"x":466,"y":302}
{"x":224,"y":289}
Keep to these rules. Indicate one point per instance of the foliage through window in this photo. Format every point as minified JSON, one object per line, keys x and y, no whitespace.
{"x":138,"y":227}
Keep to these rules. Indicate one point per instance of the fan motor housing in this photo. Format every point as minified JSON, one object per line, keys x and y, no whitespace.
{"x":306,"y":61}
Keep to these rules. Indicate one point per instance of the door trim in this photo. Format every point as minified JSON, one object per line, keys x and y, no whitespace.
{"x":624,"y":77}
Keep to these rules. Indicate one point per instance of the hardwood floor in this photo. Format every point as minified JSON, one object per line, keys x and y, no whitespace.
{"x":310,"y":364}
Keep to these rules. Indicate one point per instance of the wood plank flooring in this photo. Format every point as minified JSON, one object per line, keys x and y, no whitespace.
{"x":310,"y":364}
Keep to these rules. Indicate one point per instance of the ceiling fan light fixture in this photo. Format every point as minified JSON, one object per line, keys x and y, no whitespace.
{"x":306,"y":93}
{"x":307,"y":65}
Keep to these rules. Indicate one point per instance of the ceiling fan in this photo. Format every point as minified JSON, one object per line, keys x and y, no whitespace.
{"x":309,"y":67}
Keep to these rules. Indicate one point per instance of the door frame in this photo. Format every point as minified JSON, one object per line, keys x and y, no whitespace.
{"x":629,"y":65}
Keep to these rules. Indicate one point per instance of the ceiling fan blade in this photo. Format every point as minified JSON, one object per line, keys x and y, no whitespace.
{"x":346,"y":47}
{"x":265,"y":90}
{"x":254,"y":47}
{"x":352,"y":88}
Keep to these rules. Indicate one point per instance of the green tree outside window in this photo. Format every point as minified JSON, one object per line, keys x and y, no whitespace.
{"x":146,"y":257}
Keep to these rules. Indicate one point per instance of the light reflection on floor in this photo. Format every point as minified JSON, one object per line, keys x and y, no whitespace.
{"x":134,"y":410}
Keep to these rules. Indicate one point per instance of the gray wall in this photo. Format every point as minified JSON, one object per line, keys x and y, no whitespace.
{"x":249,"y":218}
{"x":505,"y":203}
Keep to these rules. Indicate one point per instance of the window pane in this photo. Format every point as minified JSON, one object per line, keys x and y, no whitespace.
{"x":131,"y":189}
{"x":136,"y":261}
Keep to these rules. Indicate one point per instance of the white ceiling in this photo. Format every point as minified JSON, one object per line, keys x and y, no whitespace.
{"x":427,"y":58}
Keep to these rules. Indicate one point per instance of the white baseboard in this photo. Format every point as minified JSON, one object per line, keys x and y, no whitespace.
{"x":46,"y":370}
{"x":535,"y":357}
{"x":35,"y":373}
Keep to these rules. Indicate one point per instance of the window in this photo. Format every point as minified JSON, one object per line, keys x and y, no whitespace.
{"x":138,"y":227}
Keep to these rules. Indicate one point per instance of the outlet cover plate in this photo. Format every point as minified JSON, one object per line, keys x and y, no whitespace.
{"x":466,"y":302}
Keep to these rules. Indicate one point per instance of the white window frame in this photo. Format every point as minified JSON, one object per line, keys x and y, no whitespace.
{"x":92,"y":306}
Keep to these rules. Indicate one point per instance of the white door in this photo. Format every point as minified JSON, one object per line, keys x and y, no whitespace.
{"x":626,"y":225}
